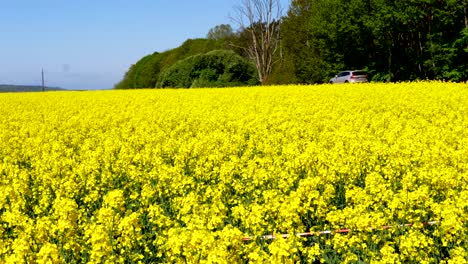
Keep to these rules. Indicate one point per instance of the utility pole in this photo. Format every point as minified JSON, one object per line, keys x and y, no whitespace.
{"x":43,"y":87}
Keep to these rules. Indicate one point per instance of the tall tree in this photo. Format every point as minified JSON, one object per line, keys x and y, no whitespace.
{"x":324,"y":37}
{"x":393,"y":39}
{"x":220,"y":32}
{"x":261,"y":20}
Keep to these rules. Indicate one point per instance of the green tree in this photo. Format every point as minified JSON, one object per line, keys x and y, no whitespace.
{"x":325,"y":36}
{"x":393,"y":39}
{"x":145,"y":73}
{"x":220,"y":32}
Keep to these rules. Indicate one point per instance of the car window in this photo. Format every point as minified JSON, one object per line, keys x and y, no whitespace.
{"x":359,"y":73}
{"x":346,"y":73}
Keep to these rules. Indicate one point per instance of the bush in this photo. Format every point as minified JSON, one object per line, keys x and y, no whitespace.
{"x":218,"y":68}
{"x":146,"y":72}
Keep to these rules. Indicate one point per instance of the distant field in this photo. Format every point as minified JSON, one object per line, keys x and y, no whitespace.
{"x":162,"y":176}
{"x":25,"y":88}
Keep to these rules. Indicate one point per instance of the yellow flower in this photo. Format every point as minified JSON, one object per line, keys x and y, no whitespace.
{"x":48,"y":254}
{"x":181,"y":176}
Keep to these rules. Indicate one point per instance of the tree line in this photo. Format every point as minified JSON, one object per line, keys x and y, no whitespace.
{"x":393,"y":40}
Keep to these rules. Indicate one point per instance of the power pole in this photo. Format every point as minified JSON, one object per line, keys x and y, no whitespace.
{"x":43,"y":87}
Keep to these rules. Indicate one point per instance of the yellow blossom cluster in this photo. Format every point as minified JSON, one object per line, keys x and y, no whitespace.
{"x":182,"y":176}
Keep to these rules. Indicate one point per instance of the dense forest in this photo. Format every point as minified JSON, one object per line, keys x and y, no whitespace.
{"x":393,"y":40}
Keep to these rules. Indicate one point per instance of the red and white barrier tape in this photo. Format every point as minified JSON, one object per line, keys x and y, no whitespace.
{"x":307,"y":234}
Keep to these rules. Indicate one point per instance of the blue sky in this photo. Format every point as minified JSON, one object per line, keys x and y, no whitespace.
{"x":90,"y":44}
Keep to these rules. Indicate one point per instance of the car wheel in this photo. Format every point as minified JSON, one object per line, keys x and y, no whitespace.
{"x":346,"y":82}
{"x":330,"y":82}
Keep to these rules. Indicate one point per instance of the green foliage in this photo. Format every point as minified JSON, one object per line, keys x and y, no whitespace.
{"x":145,"y":73}
{"x":220,"y":32}
{"x":283,"y":73}
{"x":393,"y":40}
{"x":219,"y":68}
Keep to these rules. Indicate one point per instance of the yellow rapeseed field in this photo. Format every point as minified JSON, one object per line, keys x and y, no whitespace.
{"x":182,"y":176}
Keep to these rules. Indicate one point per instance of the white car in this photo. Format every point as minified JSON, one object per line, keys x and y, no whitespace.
{"x":350,"y":77}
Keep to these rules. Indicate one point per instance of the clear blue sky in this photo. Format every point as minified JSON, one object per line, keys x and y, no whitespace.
{"x":90,"y":44}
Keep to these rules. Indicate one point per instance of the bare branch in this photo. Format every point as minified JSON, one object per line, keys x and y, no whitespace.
{"x":261,"y":20}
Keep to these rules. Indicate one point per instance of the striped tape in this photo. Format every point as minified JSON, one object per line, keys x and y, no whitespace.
{"x":308,"y":234}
